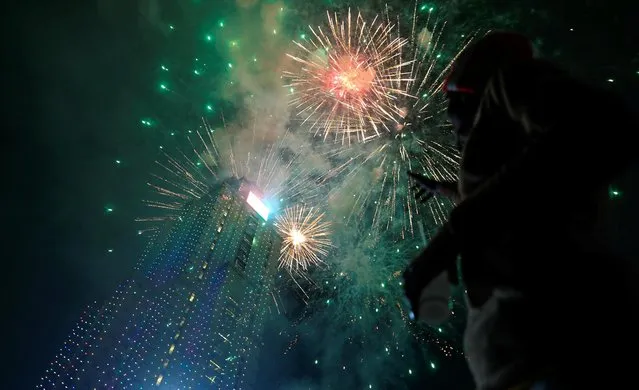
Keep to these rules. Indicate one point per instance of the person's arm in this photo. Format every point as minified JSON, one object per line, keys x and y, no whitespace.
{"x":582,"y":138}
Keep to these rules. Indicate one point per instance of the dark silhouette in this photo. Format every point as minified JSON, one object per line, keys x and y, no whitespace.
{"x":540,"y":150}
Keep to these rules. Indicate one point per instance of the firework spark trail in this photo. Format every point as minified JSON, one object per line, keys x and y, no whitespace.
{"x":178,"y":183}
{"x":305,"y":236}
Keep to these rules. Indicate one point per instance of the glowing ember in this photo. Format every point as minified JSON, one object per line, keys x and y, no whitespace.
{"x":297,"y":237}
{"x":349,"y":78}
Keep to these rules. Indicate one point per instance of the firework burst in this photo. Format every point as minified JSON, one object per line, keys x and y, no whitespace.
{"x":273,"y":166}
{"x":349,"y":78}
{"x":305,"y":236}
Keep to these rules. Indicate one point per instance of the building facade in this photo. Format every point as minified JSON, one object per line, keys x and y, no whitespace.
{"x":193,"y":316}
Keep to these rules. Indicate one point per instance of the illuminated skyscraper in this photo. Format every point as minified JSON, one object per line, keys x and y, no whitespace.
{"x":194,"y":314}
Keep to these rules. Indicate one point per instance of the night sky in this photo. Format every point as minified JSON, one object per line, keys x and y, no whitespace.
{"x":76,"y":82}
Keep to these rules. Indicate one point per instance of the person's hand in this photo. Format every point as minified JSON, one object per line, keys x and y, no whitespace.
{"x":439,"y":256}
{"x":424,"y":187}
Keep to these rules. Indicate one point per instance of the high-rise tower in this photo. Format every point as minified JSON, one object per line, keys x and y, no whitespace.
{"x":193,"y":315}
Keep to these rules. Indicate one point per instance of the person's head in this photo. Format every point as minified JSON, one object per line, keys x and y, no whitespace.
{"x":472,"y":70}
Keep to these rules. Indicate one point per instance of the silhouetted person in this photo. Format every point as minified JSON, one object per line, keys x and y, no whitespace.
{"x":539,"y":150}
